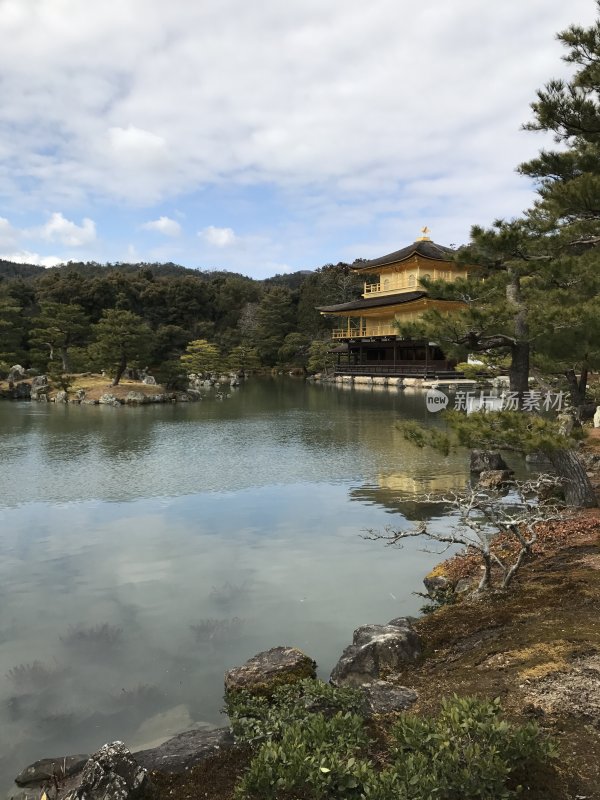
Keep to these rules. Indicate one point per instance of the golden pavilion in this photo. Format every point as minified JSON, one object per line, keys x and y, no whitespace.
{"x":368,"y":339}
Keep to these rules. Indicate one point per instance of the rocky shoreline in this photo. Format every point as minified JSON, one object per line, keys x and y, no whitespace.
{"x":90,"y":389}
{"x":115,"y":773}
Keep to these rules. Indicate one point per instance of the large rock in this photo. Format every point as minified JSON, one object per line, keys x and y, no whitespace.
{"x":48,"y":768}
{"x":597,"y":417}
{"x":22,"y":391}
{"x":108,"y":399}
{"x":40,"y":388}
{"x":436,"y":584}
{"x":185,"y":750}
{"x":376,"y":651}
{"x":61,"y":397}
{"x":135,"y":398}
{"x":265,"y":671}
{"x":149,"y":380}
{"x":383,"y":697}
{"x":494,"y":478}
{"x":485,"y":460}
{"x":112,"y":774}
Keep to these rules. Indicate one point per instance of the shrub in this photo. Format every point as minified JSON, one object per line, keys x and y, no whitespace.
{"x":255,"y":718}
{"x":467,"y":752}
{"x":317,"y":756}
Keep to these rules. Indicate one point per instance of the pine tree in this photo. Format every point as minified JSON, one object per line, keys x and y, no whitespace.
{"x":275,"y":319}
{"x":56,"y":329}
{"x":122,"y":340}
{"x":201,"y":357}
{"x":243,"y":358}
{"x":11,"y":333}
{"x":540,"y":294}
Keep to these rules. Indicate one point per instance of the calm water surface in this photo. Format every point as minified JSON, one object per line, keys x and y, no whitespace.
{"x":145,"y":551}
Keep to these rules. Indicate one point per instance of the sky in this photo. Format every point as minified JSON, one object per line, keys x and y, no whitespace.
{"x":265,"y":137}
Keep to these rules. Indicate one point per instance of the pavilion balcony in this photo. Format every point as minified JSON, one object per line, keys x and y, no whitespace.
{"x":389,"y":286}
{"x":364,"y":331}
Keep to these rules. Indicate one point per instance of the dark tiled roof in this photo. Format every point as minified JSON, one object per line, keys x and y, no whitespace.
{"x":426,"y":249}
{"x":374,"y":302}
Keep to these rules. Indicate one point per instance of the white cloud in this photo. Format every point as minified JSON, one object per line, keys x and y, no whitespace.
{"x":218,"y":237}
{"x":8,"y":234}
{"x":164,"y":225}
{"x":63,"y":230}
{"x":27,"y":257}
{"x":416,"y":103}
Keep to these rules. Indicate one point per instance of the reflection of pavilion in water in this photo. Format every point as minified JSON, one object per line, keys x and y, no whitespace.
{"x":404,"y":493}
{"x":413,"y":483}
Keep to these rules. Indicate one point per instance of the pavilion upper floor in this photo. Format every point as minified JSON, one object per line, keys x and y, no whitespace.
{"x":403,"y":270}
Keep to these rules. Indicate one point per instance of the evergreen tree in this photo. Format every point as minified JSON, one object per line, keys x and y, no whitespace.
{"x":320,"y":357}
{"x":56,"y":329}
{"x":539,"y":298}
{"x":201,"y":357}
{"x":275,"y":319}
{"x":11,"y":333}
{"x":243,"y":358}
{"x":122,"y":339}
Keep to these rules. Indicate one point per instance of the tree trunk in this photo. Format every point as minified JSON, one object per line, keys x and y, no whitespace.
{"x":518,"y":372}
{"x":578,"y":489}
{"x":519,"y":366}
{"x":577,"y":387}
{"x":66,"y":362}
{"x":120,"y":370}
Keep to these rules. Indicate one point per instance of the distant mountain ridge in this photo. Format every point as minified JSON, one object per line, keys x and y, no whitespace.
{"x":12,"y":270}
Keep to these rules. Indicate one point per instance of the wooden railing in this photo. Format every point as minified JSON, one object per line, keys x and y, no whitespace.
{"x":389,"y":285}
{"x":365,"y":331}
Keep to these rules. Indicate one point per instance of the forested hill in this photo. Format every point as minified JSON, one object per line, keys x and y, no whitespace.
{"x":10,"y":269}
{"x":176,"y":305}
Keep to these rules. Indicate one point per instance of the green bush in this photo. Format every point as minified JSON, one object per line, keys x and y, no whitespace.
{"x":467,"y":752}
{"x":255,"y":718}
{"x":317,"y":756}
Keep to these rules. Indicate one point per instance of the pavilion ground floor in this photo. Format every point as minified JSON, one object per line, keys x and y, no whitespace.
{"x":388,"y":356}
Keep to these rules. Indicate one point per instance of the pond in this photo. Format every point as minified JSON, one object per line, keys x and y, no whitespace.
{"x":144,"y":551}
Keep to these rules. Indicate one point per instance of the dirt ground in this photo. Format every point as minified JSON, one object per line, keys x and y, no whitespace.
{"x":95,"y":386}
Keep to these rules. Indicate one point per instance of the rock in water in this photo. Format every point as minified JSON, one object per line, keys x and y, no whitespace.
{"x":48,"y":768}
{"x":135,"y":398}
{"x":40,"y":388}
{"x":265,"y":671}
{"x":108,"y":399}
{"x":484,"y":460}
{"x":22,"y":391}
{"x":375,"y":651}
{"x":112,"y":774}
{"x":184,"y":751}
{"x":493,"y":478}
